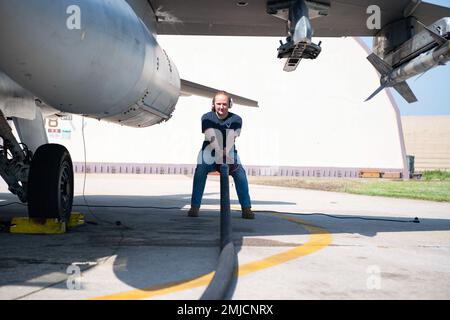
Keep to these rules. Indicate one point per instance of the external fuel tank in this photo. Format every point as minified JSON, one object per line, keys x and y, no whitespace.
{"x":95,"y":58}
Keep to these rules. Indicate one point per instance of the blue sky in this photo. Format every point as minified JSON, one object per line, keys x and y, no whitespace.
{"x":431,"y":89}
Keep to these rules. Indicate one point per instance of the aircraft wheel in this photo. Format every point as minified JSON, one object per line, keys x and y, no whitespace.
{"x":50,"y":183}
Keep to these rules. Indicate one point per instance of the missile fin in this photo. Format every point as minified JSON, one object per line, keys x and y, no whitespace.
{"x":375,"y":92}
{"x":405,"y":91}
{"x":382,"y":66}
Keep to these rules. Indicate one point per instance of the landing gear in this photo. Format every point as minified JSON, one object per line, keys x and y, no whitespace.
{"x":15,"y":161}
{"x":50,"y":183}
{"x":41,"y":177}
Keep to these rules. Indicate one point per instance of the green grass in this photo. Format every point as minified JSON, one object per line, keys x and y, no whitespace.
{"x":436,"y":175}
{"x":424,"y":190}
{"x":433,"y":190}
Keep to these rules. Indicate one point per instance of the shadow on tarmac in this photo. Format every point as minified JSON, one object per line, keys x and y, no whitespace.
{"x":155,"y":246}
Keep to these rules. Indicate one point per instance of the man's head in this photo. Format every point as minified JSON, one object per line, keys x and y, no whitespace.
{"x":221,"y":103}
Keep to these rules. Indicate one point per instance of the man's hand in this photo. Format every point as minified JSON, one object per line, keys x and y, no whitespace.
{"x":215,"y":138}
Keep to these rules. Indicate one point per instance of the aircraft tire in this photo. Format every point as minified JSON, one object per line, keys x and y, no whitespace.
{"x":50,"y":183}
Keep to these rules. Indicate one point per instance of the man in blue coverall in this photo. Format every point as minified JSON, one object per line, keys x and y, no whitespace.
{"x":220,"y":127}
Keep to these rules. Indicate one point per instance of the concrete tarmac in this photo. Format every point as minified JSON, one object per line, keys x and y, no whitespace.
{"x":160,"y":253}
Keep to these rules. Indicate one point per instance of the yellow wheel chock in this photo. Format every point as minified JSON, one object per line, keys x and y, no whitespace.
{"x":25,"y":225}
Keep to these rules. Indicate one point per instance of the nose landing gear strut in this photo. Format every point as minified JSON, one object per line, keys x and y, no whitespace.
{"x":44,"y":179}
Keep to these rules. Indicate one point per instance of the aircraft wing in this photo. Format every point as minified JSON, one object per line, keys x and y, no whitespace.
{"x":189,"y":88}
{"x":228,"y":18}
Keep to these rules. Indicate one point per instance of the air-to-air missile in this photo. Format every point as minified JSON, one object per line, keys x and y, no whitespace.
{"x":424,"y":51}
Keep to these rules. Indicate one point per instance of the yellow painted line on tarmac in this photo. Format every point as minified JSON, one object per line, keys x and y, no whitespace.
{"x":319,"y":239}
{"x":161,"y":289}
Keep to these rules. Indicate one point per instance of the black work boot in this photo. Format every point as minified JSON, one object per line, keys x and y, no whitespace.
{"x":247,"y":213}
{"x":193,"y":211}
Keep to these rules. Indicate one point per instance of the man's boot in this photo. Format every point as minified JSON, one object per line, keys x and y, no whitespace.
{"x":193,"y":211}
{"x":247,"y":213}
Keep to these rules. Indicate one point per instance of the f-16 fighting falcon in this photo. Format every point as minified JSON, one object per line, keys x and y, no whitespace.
{"x":101,"y":59}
